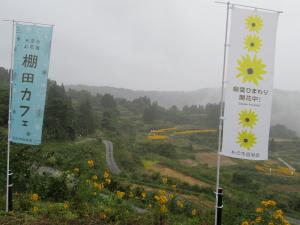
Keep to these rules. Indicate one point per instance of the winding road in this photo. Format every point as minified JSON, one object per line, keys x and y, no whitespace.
{"x":293,"y":221}
{"x":111,"y":163}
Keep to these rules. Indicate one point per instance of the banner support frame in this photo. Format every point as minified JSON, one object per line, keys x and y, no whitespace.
{"x":20,"y":21}
{"x":221,"y":118}
{"x":9,"y":119}
{"x":248,"y":6}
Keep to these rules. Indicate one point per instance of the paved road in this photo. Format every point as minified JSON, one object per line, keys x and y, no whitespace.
{"x":293,"y":221}
{"x":111,"y":163}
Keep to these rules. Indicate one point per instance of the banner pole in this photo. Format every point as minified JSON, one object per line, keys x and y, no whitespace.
{"x":217,"y":207}
{"x":8,"y":185}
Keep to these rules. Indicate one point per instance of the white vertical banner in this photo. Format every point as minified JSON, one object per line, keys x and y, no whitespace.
{"x":249,"y":86}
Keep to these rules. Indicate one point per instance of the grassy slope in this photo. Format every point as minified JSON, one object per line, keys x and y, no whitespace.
{"x":66,"y":156}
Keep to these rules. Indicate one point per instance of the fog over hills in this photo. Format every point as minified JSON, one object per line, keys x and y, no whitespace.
{"x":286,"y":104}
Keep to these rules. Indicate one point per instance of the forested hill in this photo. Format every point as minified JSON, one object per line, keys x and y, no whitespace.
{"x":286,"y":104}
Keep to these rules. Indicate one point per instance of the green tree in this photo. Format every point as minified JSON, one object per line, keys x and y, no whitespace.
{"x":4,"y":102}
{"x":86,"y":120}
{"x":108,"y":102}
{"x":4,"y":96}
{"x":59,"y":113}
{"x":149,"y":114}
{"x":106,"y":121}
{"x":213,"y":113}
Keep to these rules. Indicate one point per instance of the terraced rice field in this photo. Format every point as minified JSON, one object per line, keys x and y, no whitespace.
{"x":210,"y":158}
{"x":165,"y":171}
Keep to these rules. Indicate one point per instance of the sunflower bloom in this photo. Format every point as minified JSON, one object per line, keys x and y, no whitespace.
{"x":107,"y":181}
{"x":246,"y":139}
{"x":259,"y":210}
{"x":194,"y":212}
{"x":272,"y":203}
{"x":264,"y":203}
{"x":100,"y":186}
{"x":254,"y":23}
{"x":179,"y":204}
{"x":144,"y":195}
{"x":245,"y":223}
{"x":34,"y":197}
{"x":248,"y":118}
{"x":161,"y":199}
{"x":106,"y":175}
{"x":66,"y":205}
{"x":278,"y":214}
{"x":258,"y":219}
{"x":252,"y":43}
{"x":251,"y":70}
{"x":90,"y":163}
{"x":120,"y":194}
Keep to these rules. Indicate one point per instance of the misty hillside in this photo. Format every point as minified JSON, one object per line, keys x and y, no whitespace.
{"x":286,"y":104}
{"x":164,"y":98}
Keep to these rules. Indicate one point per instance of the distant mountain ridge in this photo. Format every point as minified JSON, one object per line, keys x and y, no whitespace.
{"x":286,"y":104}
{"x":164,"y":98}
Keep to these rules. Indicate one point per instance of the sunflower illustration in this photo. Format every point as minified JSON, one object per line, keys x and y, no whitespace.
{"x":252,"y":43}
{"x":254,"y":23}
{"x":246,"y":139}
{"x":248,"y":118}
{"x":251,"y":69}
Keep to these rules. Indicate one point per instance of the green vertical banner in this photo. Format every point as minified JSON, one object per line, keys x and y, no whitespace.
{"x":29,"y":82}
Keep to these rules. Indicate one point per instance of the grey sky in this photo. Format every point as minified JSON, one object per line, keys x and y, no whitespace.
{"x":146,"y":44}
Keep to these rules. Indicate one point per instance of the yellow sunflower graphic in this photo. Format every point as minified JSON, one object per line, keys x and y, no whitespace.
{"x":254,"y":23}
{"x":246,"y":139}
{"x":252,"y":43}
{"x":251,"y":69}
{"x":248,"y":118}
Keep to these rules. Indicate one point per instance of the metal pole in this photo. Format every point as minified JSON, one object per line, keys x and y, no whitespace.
{"x":10,"y":191}
{"x":8,"y":188}
{"x":219,"y":206}
{"x":221,"y":114}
